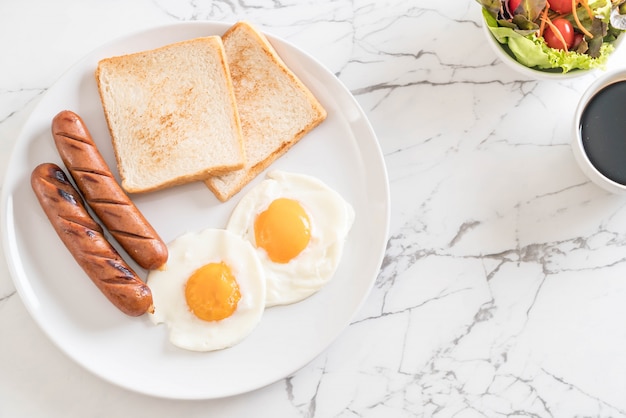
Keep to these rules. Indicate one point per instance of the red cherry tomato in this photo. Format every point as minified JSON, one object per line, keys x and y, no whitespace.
{"x":567,"y":31}
{"x":513,"y":4}
{"x":561,"y":6}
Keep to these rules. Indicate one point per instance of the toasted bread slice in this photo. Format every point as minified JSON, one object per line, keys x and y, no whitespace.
{"x":275,"y":108}
{"x":172,"y":114}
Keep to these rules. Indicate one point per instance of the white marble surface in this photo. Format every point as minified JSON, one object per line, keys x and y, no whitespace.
{"x":503,"y":290}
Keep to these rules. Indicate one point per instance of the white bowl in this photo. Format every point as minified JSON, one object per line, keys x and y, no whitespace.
{"x":508,"y":59}
{"x":577,"y":143}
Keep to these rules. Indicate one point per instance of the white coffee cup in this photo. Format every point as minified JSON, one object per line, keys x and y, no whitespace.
{"x":578,"y":147}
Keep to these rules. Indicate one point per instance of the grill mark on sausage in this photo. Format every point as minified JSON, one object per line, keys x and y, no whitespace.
{"x":130,"y":235}
{"x":104,"y":201}
{"x":67,"y":196}
{"x":76,"y":138}
{"x":88,"y":170}
{"x":89,"y":227}
{"x":60,"y":176}
{"x":118,"y":281}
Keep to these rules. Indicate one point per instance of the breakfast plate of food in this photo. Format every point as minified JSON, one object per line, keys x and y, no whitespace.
{"x":195,"y":211}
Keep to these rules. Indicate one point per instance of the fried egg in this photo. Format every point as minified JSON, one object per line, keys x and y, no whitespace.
{"x":298,"y":226}
{"x":211,"y":295}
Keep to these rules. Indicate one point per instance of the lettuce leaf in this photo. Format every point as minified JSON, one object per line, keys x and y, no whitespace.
{"x":601,"y":8}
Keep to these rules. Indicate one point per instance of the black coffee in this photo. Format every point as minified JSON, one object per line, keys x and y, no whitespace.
{"x":603,"y":131}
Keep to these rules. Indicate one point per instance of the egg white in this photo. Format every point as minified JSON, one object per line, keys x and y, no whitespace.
{"x":188,"y":253}
{"x":331,"y":219}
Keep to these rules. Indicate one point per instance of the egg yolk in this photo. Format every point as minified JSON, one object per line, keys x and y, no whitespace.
{"x":212,"y":292}
{"x":283,"y":230}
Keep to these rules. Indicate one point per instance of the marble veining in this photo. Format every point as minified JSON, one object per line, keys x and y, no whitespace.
{"x":501,"y":293}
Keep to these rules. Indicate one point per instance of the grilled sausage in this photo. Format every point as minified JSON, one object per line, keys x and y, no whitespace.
{"x":103,"y":194}
{"x":84,"y":238}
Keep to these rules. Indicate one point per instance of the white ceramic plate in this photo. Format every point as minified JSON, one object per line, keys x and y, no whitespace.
{"x":132,"y":352}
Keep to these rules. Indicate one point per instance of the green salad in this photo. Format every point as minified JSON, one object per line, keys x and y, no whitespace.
{"x":557,"y":35}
